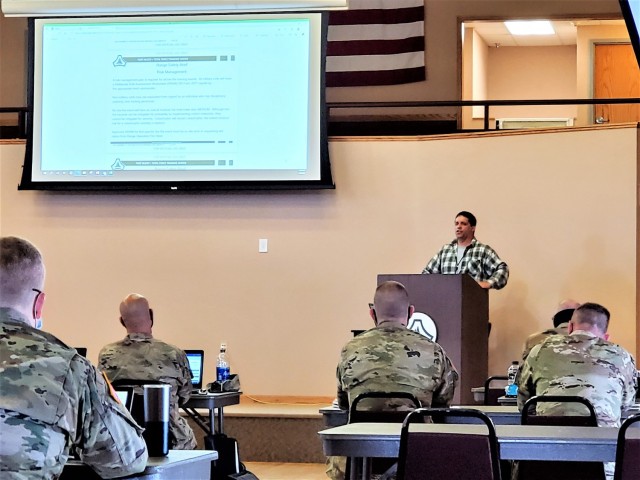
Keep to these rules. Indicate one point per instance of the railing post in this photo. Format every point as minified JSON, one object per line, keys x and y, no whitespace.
{"x":486,"y":116}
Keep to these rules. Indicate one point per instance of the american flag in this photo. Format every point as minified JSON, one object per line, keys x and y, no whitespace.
{"x":376,"y":42}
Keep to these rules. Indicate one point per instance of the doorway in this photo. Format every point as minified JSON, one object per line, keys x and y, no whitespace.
{"x":498,"y":66}
{"x":615,"y":75}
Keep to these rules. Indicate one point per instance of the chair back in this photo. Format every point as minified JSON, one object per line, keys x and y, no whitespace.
{"x":491,"y":394}
{"x":377,"y":407}
{"x":529,"y":417}
{"x":448,"y":455}
{"x":535,"y":470}
{"x":396,"y":406}
{"x":628,"y":452}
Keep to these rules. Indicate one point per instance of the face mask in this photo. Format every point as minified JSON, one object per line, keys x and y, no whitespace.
{"x":38,"y":324}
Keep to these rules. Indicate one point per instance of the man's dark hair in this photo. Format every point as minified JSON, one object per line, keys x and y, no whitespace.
{"x":469,"y":216}
{"x":563,"y":316}
{"x":594,"y":314}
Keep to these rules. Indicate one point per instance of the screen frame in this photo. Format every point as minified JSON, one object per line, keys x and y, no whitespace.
{"x":191,"y":186}
{"x":632,"y":25}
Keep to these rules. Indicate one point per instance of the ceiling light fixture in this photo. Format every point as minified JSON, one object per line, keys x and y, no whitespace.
{"x":529,"y":27}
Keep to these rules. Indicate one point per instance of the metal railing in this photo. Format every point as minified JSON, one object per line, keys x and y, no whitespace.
{"x":486,"y":104}
{"x":22,"y":112}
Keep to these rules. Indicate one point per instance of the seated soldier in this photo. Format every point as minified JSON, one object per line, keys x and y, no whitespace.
{"x":141,"y":357}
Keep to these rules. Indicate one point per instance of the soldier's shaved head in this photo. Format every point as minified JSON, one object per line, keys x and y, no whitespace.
{"x":135,"y":314}
{"x":391,"y":302}
{"x":591,"y":317}
{"x":21,"y":271}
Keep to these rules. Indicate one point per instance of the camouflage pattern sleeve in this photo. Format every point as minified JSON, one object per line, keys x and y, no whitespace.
{"x":524,"y":379}
{"x":630,"y":384}
{"x":341,"y":396}
{"x":184,"y":381}
{"x":443,"y":395}
{"x":108,"y":439}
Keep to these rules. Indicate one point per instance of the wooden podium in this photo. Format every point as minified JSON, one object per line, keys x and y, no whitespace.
{"x":460,"y":309}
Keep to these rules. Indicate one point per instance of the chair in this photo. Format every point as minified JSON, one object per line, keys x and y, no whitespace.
{"x":491,"y":395}
{"x":535,"y":470}
{"x":377,"y":415}
{"x":448,"y":455}
{"x":356,"y":415}
{"x":529,"y":417}
{"x":627,"y":452}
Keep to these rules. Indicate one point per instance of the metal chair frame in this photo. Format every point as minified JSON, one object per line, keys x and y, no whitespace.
{"x":620,"y":449}
{"x":487,"y":385}
{"x":420,"y":413}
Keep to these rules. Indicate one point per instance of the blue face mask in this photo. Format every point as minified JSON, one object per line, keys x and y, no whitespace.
{"x":38,"y":324}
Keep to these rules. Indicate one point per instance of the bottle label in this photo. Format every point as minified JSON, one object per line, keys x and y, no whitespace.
{"x":511,"y":390}
{"x":222,"y":374}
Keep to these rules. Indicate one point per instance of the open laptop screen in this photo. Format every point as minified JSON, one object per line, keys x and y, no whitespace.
{"x":196,"y":364}
{"x":125,"y":394}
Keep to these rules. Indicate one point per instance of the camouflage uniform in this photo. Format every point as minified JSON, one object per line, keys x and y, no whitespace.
{"x":52,"y":398}
{"x":536,"y":338}
{"x":142,"y":357}
{"x":580,"y":364}
{"x":392,"y":359}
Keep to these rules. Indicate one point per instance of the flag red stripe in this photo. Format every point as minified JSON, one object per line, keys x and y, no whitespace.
{"x":375,"y":47}
{"x":378,"y":77}
{"x":379,"y":16}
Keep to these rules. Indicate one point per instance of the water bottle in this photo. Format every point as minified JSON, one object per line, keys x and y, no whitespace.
{"x":222,"y":364}
{"x":511,"y":389}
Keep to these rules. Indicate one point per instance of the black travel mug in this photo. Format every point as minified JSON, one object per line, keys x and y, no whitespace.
{"x":156,"y":419}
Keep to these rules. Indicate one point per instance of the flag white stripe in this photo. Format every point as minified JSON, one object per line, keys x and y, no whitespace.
{"x":354,"y":63}
{"x":341,"y":33}
{"x":383,"y":4}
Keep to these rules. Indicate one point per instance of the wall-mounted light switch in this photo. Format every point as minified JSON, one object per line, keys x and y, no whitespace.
{"x":263,"y":245}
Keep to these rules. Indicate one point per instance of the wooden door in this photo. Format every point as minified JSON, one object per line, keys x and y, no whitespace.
{"x":616,"y":75}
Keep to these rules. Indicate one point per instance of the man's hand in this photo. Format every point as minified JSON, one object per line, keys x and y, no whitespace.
{"x":484,"y":284}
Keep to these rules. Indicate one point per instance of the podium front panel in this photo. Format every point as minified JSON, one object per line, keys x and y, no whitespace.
{"x":460,"y":309}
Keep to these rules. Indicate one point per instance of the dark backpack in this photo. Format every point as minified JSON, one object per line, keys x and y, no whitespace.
{"x":228,"y":466}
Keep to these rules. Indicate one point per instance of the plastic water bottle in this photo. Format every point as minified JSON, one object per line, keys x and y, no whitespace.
{"x":222,"y":364}
{"x":511,"y":389}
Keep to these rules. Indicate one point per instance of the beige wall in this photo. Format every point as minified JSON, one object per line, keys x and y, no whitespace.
{"x":509,"y":73}
{"x":532,"y":73}
{"x":559,"y":207}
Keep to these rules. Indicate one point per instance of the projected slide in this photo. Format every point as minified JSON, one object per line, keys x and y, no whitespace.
{"x":207,"y":98}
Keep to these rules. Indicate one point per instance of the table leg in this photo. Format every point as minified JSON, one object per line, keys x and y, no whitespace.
{"x":220,"y":420}
{"x":212,"y":424}
{"x":366,"y":468}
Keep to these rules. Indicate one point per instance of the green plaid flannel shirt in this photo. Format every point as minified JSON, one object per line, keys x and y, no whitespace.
{"x":479,"y":260}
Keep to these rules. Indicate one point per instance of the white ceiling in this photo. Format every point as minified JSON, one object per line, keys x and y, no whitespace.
{"x":496,"y":33}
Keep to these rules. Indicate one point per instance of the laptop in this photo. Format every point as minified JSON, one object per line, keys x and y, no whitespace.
{"x":196,"y":364}
{"x":125,"y":394}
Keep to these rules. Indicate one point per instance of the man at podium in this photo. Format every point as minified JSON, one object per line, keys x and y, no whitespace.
{"x":467,"y":255}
